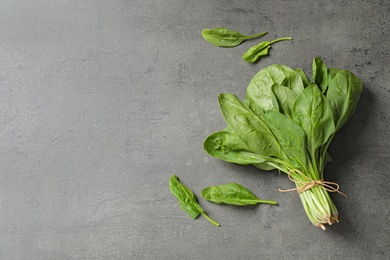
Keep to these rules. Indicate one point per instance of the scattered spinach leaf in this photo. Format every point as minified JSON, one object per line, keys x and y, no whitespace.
{"x":187,"y":199}
{"x":223,"y":37}
{"x":261,"y":49}
{"x":233,"y":194}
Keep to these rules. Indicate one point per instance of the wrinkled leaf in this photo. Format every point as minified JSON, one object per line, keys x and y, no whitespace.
{"x":233,"y":194}
{"x":259,"y":91}
{"x":185,"y":196}
{"x":187,"y":199}
{"x":249,"y":127}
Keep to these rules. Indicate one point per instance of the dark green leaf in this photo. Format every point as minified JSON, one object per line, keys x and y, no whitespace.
{"x":185,"y":196}
{"x":223,"y":37}
{"x":233,"y":194}
{"x":313,"y":113}
{"x":187,"y":199}
{"x":249,"y":127}
{"x":290,"y":136}
{"x":343,"y":95}
{"x":228,"y":146}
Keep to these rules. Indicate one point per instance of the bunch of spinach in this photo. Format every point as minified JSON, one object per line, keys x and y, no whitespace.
{"x":286,"y":123}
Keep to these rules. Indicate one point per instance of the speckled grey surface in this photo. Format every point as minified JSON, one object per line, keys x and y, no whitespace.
{"x":102,"y":101}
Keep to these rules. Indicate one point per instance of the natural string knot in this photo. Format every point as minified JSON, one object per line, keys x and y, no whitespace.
{"x":310,"y":183}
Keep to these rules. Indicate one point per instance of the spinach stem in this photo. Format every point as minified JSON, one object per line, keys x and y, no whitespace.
{"x":272,"y":202}
{"x":256,"y":35}
{"x":281,"y":39}
{"x":210,"y":219}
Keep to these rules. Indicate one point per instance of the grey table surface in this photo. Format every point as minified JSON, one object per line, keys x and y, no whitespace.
{"x":102,"y":101}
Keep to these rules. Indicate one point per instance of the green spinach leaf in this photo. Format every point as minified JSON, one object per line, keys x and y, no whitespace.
{"x":285,"y":97}
{"x":187,"y":199}
{"x":248,"y":126}
{"x":313,"y":113}
{"x":303,"y":76}
{"x":320,"y":74}
{"x":233,"y":194}
{"x":290,"y":136}
{"x":223,"y":37}
{"x":261,"y":49}
{"x":259,"y":91}
{"x":343,"y":95}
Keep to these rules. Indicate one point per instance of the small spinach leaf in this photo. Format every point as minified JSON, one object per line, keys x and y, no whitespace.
{"x":303,"y":76}
{"x":187,"y":199}
{"x":233,"y":194}
{"x":223,"y":37}
{"x":320,"y":74}
{"x":261,"y":49}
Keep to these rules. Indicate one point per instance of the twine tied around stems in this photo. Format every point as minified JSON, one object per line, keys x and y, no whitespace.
{"x":310,"y":183}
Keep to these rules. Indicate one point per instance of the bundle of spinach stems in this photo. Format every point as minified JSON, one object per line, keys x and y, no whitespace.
{"x":286,"y":123}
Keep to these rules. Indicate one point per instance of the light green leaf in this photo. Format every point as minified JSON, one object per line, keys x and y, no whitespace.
{"x":320,"y":74}
{"x":259,"y":91}
{"x":223,"y":37}
{"x":261,"y":49}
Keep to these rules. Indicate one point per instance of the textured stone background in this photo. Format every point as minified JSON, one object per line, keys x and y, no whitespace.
{"x":102,"y":101}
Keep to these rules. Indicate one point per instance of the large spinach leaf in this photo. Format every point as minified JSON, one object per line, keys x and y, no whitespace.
{"x":228,"y":146}
{"x":313,"y":113}
{"x":343,"y":95}
{"x":290,"y":136}
{"x":248,"y":126}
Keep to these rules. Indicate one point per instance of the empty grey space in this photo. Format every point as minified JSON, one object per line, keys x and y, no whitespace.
{"x":102,"y":101}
